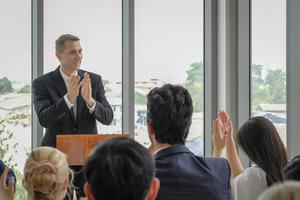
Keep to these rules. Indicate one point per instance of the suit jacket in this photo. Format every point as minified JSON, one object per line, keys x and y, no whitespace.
{"x":184,"y":176}
{"x":54,"y":114}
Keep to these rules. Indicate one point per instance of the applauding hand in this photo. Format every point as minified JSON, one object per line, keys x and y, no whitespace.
{"x":86,"y":90}
{"x":218,"y":140}
{"x":6,"y":193}
{"x":225,"y":127}
{"x":73,"y":86}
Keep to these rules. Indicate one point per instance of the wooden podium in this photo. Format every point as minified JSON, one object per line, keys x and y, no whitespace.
{"x":79,"y":146}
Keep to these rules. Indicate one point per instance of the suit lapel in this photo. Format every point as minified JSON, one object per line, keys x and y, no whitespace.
{"x":61,"y":87}
{"x":59,"y":82}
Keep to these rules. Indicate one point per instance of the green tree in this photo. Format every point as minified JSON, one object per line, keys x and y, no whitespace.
{"x":276,"y":84}
{"x":25,"y":89}
{"x":194,"y":84}
{"x":8,"y":145}
{"x":140,"y":99}
{"x":5,"y":86}
{"x":259,"y":89}
{"x":270,"y":89}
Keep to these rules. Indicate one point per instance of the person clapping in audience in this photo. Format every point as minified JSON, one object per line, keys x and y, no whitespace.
{"x":46,"y":174}
{"x":260,"y":140}
{"x":183,"y":176}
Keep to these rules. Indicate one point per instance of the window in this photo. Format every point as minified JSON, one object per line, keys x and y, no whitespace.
{"x":169,"y":49}
{"x":269,"y":62}
{"x":15,"y":87}
{"x":98,"y":24}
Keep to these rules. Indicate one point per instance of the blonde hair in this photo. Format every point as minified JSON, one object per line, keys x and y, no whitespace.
{"x":288,"y":190}
{"x":45,"y":173}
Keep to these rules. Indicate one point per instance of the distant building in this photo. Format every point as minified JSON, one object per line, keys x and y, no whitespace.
{"x":15,"y":102}
{"x":276,"y":108}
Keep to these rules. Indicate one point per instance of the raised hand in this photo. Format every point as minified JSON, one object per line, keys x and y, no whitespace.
{"x":86,"y":90}
{"x":226,"y":131}
{"x":73,"y":86}
{"x":225,"y":126}
{"x":217,"y":139}
{"x":6,"y":193}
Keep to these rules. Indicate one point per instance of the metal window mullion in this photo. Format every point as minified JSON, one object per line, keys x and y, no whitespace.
{"x":293,"y":81}
{"x":37,"y":61}
{"x":128,"y":67}
{"x":210,"y":71}
{"x":244,"y":68}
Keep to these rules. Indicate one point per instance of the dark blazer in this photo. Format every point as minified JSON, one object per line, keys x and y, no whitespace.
{"x":184,"y":176}
{"x":54,"y":114}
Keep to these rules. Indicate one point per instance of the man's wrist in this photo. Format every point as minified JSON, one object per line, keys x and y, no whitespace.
{"x":90,"y":102}
{"x":71,"y":100}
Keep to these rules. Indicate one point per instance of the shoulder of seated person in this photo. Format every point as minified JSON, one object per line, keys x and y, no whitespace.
{"x":253,"y":173}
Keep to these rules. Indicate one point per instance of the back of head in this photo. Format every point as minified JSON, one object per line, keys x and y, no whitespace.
{"x":289,"y":190}
{"x":260,"y":140}
{"x":169,"y":111}
{"x":46,"y":171}
{"x":119,"y":168}
{"x":292,"y":170}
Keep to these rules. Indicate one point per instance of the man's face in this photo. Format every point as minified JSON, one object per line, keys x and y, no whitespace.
{"x":71,"y":56}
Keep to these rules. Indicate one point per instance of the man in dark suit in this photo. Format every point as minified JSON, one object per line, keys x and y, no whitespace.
{"x":182,"y":175}
{"x":69,"y":100}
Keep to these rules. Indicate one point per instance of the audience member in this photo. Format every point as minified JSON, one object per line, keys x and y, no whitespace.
{"x":292,"y":170}
{"x":120,"y":168}
{"x":46,"y":174}
{"x":183,"y":176}
{"x":289,"y":190}
{"x":260,"y":140}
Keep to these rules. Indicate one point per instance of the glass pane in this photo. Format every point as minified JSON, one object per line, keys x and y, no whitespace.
{"x":15,"y":86}
{"x":269,"y":62}
{"x":169,"y":49}
{"x":98,"y":24}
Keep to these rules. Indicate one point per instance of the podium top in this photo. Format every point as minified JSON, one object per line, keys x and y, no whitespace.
{"x":78,"y":146}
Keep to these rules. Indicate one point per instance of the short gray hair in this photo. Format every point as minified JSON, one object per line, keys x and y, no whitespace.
{"x":60,"y":42}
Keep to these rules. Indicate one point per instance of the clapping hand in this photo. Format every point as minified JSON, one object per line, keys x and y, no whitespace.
{"x":73,"y":86}
{"x":6,"y":193}
{"x":86,"y":90}
{"x":221,"y":133}
{"x":225,"y":127}
{"x":218,"y":140}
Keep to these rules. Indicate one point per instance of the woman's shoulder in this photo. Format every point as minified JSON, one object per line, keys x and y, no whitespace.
{"x":249,"y":184}
{"x":252,"y":176}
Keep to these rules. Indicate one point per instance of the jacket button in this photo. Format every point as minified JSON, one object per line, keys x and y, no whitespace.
{"x":74,"y":130}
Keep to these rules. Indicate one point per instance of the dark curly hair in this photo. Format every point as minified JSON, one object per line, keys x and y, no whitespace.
{"x":169,"y":111}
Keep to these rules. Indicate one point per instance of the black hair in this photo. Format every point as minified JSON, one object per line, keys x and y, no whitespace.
{"x":292,"y":170}
{"x":169,"y":110}
{"x":119,"y":168}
